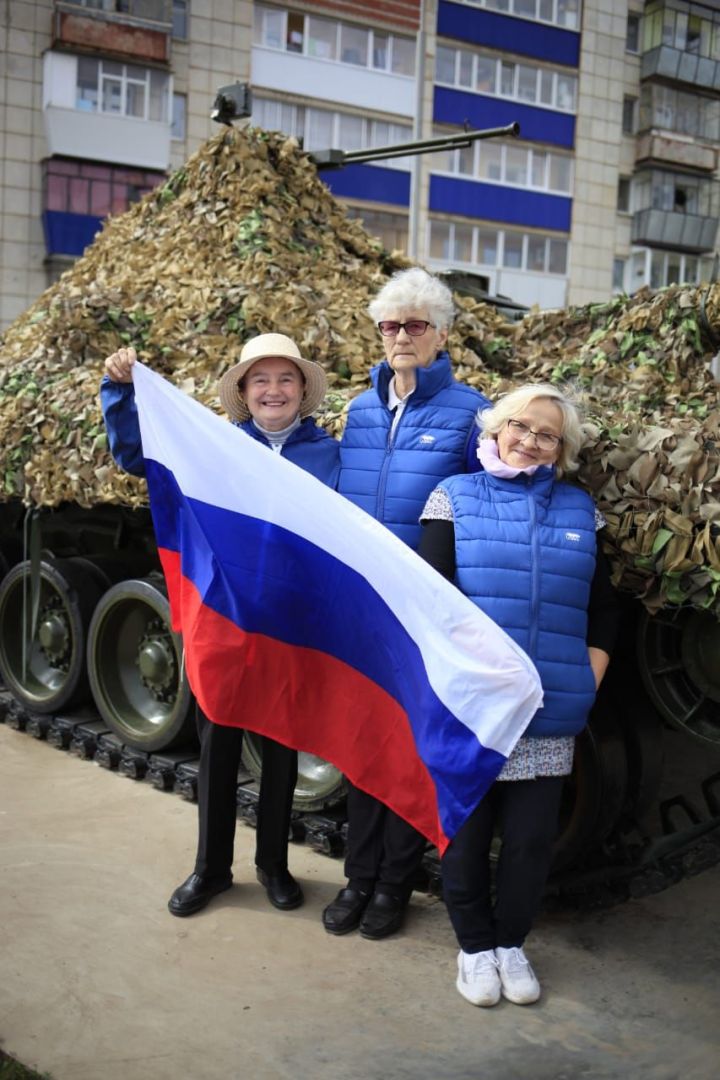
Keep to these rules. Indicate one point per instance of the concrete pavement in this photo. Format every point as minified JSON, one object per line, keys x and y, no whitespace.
{"x":99,"y":982}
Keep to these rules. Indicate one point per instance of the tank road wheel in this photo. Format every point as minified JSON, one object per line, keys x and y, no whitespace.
{"x":135,"y":667}
{"x":319,"y":784}
{"x":47,"y":672}
{"x":679,"y":658}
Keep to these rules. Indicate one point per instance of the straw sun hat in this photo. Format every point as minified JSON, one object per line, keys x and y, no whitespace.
{"x":259,"y":348}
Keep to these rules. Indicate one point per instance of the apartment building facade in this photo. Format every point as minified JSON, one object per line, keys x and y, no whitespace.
{"x":611,"y":184}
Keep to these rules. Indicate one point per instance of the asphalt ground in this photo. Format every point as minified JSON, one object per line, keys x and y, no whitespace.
{"x":99,"y":982}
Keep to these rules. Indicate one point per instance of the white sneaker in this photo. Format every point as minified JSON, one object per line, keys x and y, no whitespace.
{"x":478,"y":980}
{"x":518,"y":980}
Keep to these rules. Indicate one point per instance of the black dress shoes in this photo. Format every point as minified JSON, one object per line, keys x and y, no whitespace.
{"x":345,"y":912}
{"x":282,"y":889}
{"x":383,"y":916}
{"x":195,"y":893}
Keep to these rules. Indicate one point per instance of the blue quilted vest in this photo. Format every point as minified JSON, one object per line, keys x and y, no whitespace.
{"x":391,"y":477}
{"x":525,"y":554}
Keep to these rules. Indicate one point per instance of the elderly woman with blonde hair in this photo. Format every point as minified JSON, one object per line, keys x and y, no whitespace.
{"x":521,"y":543}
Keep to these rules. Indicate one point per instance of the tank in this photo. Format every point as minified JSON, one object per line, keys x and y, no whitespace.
{"x":246,"y":239}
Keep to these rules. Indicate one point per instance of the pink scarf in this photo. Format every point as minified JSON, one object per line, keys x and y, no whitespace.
{"x":492,"y":463}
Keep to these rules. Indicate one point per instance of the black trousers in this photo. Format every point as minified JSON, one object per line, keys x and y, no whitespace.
{"x":527,"y":814}
{"x":383,"y":851}
{"x":217,"y":800}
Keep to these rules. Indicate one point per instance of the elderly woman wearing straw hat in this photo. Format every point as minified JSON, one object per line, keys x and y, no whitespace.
{"x":271,"y":394}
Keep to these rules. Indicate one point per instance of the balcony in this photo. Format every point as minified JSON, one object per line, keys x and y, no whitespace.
{"x":141,"y":30}
{"x":669,"y":149}
{"x":672,"y":229}
{"x":666,"y":62}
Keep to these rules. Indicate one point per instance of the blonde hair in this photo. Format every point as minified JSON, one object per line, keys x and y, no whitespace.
{"x":513,"y":404}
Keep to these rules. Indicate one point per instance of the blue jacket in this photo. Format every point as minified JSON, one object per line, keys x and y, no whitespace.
{"x":308,"y":446}
{"x":525,"y":554}
{"x":391,"y":477}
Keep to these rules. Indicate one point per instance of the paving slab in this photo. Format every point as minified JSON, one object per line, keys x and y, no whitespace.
{"x":99,"y":982}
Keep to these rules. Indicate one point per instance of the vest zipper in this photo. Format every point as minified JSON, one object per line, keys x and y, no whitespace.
{"x":380,"y":501}
{"x":534,"y":577}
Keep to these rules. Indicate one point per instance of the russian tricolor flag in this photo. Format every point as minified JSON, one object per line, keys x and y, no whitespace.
{"x":306,"y":620}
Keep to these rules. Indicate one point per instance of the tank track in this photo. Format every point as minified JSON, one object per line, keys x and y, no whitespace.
{"x":630,"y":864}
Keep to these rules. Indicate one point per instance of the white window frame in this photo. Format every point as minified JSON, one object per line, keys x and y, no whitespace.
{"x":499,"y":247}
{"x":262,"y":9}
{"x":499,"y":61}
{"x":555,"y":20}
{"x":502,"y":181}
{"x":126,"y":80}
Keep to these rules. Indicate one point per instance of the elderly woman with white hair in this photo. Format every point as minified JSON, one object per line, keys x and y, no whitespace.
{"x":414,"y":427}
{"x":520,"y":542}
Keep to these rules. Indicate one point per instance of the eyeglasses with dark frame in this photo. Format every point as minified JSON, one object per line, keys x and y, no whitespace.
{"x":413,"y":327}
{"x":544,"y":440}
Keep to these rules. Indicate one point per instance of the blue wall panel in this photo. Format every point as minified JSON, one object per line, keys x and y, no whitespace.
{"x":540,"y":125}
{"x":369,"y":182}
{"x":477,"y":27}
{"x":513,"y":206}
{"x":69,"y":234}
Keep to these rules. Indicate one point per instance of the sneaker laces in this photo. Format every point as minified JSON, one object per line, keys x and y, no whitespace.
{"x":481,"y":962}
{"x":515,"y":960}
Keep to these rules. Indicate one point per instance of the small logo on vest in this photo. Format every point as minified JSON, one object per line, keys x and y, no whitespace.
{"x":575,"y":537}
{"x":426,"y":440}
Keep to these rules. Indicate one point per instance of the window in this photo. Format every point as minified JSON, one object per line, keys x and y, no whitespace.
{"x":618,"y":275}
{"x":532,"y":252}
{"x":560,"y":172}
{"x":629,"y":123}
{"x":123,"y":89}
{"x":513,"y":250}
{"x":319,"y":128}
{"x":491,"y":155}
{"x":86,"y":90}
{"x":329,"y":39}
{"x":486,"y":74}
{"x":445,"y":65}
{"x":351,"y":132}
{"x":79,"y":187}
{"x":381,"y":50}
{"x":403,"y":56}
{"x":557,"y":256}
{"x":623,"y":195}
{"x":322,"y":128}
{"x":566,"y":90}
{"x":660,"y":268}
{"x":269,"y":27}
{"x":353,"y":45}
{"x":322,"y":38}
{"x":507,"y":163}
{"x":527,"y":83}
{"x":536,"y":253}
{"x":391,"y":229}
{"x":180,"y":19}
{"x":295,"y":34}
{"x":560,"y":12}
{"x":632,"y":33}
{"x":179,"y":111}
{"x":439,"y":240}
{"x":539,"y":169}
{"x":516,"y":163}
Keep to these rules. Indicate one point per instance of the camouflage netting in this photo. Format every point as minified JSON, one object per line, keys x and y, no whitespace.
{"x":246,"y":239}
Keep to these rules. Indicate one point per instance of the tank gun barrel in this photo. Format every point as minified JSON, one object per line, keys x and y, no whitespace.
{"x":335,"y":159}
